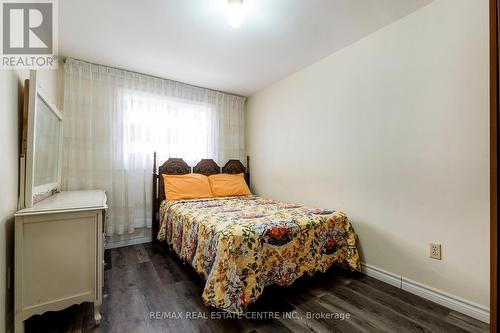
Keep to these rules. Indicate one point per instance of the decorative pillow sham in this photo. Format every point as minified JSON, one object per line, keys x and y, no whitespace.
{"x":224,"y":185}
{"x":189,"y":186}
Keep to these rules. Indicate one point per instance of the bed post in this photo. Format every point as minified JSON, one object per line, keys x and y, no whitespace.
{"x":247,"y":175}
{"x":154,"y":217}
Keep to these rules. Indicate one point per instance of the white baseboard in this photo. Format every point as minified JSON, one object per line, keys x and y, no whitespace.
{"x":474,"y":310}
{"x":128,"y":242}
{"x":453,"y":302}
{"x":380,"y":274}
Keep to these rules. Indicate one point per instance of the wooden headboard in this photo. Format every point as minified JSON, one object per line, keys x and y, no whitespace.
{"x":177,"y":166}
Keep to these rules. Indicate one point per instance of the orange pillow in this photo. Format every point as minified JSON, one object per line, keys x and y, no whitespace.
{"x":224,"y":185}
{"x":190,"y":186}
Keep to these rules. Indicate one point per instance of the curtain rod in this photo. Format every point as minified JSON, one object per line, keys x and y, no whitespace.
{"x":153,"y":76}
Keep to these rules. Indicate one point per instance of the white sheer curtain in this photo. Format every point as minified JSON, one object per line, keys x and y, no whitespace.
{"x":113,"y":122}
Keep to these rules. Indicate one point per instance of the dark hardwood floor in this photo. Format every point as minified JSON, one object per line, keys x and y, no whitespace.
{"x":145,"y":281}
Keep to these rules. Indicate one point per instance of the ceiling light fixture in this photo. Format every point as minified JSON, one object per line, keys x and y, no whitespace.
{"x":235,"y":12}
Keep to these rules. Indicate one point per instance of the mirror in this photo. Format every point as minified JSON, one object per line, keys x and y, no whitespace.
{"x":41,"y":154}
{"x":47,"y":137}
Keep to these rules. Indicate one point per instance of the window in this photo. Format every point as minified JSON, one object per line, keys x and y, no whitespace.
{"x":170,"y":126}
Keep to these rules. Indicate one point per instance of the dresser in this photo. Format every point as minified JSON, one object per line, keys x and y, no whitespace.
{"x":59,"y":254}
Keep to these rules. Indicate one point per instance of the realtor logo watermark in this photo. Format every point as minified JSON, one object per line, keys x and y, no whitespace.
{"x":29,"y":34}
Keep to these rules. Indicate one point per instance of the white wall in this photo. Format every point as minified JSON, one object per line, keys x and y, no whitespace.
{"x":393,"y":130}
{"x":11,"y":87}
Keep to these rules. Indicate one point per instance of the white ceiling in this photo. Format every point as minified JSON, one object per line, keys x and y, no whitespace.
{"x":190,"y":40}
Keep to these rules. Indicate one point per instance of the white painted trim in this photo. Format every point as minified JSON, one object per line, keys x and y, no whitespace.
{"x":469,"y":308}
{"x":128,"y":242}
{"x":380,"y":274}
{"x":474,"y":310}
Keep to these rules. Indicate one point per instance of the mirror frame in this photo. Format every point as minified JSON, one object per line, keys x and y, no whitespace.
{"x":34,"y":194}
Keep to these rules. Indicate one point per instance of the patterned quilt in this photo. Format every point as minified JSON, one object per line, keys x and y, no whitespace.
{"x":242,"y":244}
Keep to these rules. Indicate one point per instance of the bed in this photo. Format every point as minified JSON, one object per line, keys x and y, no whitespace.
{"x":242,"y":244}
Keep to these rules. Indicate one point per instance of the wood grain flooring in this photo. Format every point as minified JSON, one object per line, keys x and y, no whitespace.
{"x":146,"y":288}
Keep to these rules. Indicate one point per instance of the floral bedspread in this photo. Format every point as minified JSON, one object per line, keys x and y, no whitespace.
{"x":242,"y":244}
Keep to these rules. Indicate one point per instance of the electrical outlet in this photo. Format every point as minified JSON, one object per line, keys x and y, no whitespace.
{"x":435,"y":251}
